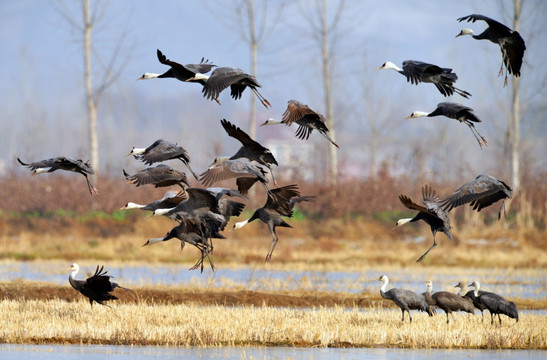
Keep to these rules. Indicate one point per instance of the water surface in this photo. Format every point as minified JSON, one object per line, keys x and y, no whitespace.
{"x":100,"y":352}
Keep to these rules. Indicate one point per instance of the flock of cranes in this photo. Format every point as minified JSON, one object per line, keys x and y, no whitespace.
{"x":449,"y":302}
{"x":202,"y":214}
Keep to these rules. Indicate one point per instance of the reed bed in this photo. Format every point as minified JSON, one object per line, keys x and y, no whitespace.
{"x":58,"y":321}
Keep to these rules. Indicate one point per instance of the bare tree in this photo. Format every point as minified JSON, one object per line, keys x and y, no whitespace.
{"x":91,"y":17}
{"x":254,"y":31}
{"x":322,"y":32}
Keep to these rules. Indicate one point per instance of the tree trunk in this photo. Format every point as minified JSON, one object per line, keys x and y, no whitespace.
{"x":333,"y":156}
{"x":91,"y":106}
{"x":514,"y":120}
{"x":254,"y":51}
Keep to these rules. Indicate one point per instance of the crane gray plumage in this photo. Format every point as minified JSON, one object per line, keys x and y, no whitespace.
{"x":185,"y":73}
{"x":194,"y":232}
{"x":159,"y":176}
{"x":471,"y":295}
{"x":306,"y":118}
{"x":236,"y":79}
{"x":418,"y":71}
{"x":250,"y":149}
{"x":496,"y":304}
{"x":448,"y":301}
{"x":162,"y":150}
{"x":432,"y":214}
{"x":406,"y":300}
{"x":202,"y":217}
{"x":168,"y":201}
{"x":280,"y":202}
{"x":511,"y":44}
{"x":458,"y":112}
{"x":198,"y":203}
{"x":97,"y":287}
{"x":63,"y":163}
{"x":246,"y":172}
{"x":480,"y":193}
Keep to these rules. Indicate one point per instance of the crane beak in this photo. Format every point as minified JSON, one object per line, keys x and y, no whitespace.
{"x":408,"y":117}
{"x":460,"y":34}
{"x":141,"y":78}
{"x":265,"y":123}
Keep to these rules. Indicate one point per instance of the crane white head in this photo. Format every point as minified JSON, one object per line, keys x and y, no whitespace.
{"x":401,"y":222}
{"x":389,"y":65}
{"x":131,"y":205}
{"x":240,"y":224}
{"x":271,"y":121}
{"x":417,"y":114}
{"x":477,"y":287}
{"x":148,"y":76}
{"x":429,"y":285}
{"x":136,"y":151}
{"x":219,"y":160}
{"x":465,"y":31}
{"x":74,"y":268}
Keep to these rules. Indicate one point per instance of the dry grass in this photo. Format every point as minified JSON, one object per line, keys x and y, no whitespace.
{"x":57,"y":321}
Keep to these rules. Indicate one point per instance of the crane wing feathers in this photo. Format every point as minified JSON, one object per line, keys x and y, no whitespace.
{"x":491,"y":22}
{"x":239,"y":134}
{"x":296,"y":111}
{"x":411,"y":204}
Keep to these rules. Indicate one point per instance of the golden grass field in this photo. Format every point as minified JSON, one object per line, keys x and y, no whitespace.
{"x":234,"y":315}
{"x":58,"y":321}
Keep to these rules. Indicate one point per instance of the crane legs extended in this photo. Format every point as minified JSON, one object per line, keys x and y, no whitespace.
{"x":481,"y":139}
{"x":274,"y":242}
{"x":428,"y":250}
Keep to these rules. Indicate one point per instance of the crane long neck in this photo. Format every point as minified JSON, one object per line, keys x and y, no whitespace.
{"x":477,"y":288}
{"x":384,"y":286}
{"x":72,"y":280}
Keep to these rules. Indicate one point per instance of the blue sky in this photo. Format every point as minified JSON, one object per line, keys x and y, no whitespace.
{"x":42,"y":78}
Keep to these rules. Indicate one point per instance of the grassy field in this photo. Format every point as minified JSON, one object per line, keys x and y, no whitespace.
{"x":58,"y":321}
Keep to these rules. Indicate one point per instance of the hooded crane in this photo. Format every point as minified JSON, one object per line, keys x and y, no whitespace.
{"x":168,"y":201}
{"x":406,"y":300}
{"x":199,"y":202}
{"x":455,"y":111}
{"x":63,"y":163}
{"x":236,"y":79}
{"x":480,"y":193}
{"x":306,"y":118}
{"x":96,"y":288}
{"x":511,"y":43}
{"x":432,"y":214}
{"x":185,"y":73}
{"x":246,"y":172}
{"x":250,"y":148}
{"x":417,"y":72}
{"x":162,"y":150}
{"x":496,"y":304}
{"x":207,"y":213}
{"x":280,"y":202}
{"x":448,"y":301}
{"x":159,"y":176}
{"x":471,"y":295}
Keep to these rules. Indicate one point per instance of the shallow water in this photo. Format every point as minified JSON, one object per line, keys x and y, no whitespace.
{"x":99,"y":352}
{"x":509,"y":283}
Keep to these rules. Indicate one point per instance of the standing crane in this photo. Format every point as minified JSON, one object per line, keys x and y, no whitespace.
{"x":406,"y":300}
{"x":97,"y":287}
